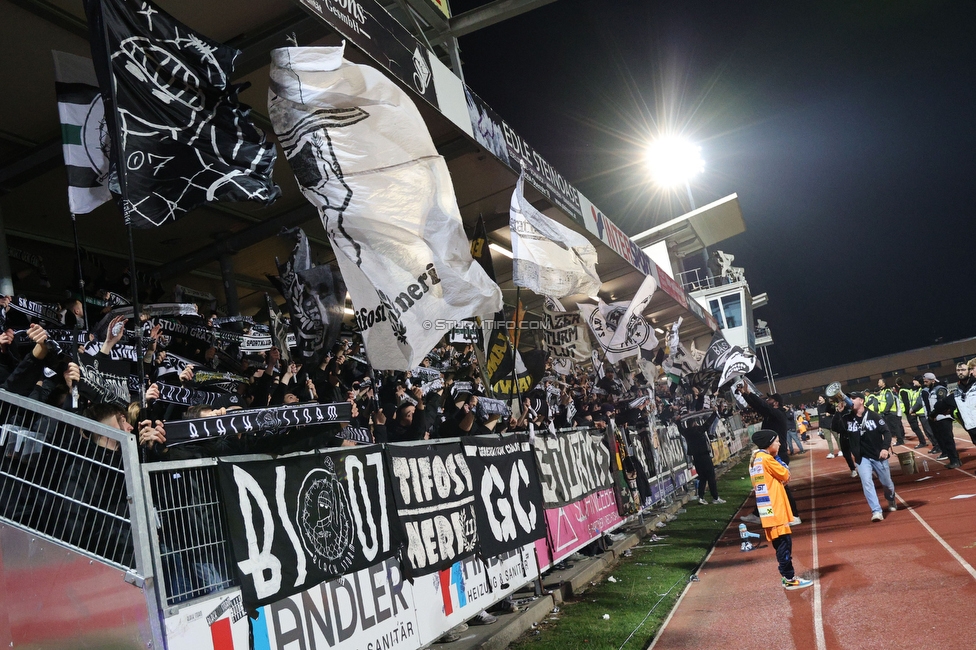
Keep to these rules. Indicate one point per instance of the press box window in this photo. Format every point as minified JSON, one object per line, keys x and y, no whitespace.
{"x":716,"y":312}
{"x":732,"y":306}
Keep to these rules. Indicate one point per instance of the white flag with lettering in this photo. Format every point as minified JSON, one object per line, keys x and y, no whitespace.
{"x":362,"y":154}
{"x":549,"y":258}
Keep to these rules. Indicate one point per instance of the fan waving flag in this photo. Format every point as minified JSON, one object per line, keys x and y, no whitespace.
{"x":84,"y":138}
{"x":363,"y":156}
{"x":181,"y":135}
{"x":549,"y":258}
{"x":315,"y":295}
{"x":636,"y":308}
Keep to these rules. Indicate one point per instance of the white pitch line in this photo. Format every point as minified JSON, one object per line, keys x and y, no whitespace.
{"x":966,"y":565}
{"x":660,"y":631}
{"x":818,"y":624}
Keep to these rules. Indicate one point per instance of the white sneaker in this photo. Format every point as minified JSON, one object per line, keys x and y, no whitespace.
{"x":878,"y":516}
{"x":796,"y":521}
{"x":483,"y":618}
{"x":703,"y":502}
{"x":853,"y":473}
{"x":830,"y":456}
{"x":719,"y":500}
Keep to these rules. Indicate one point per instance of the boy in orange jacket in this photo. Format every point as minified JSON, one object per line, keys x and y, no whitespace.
{"x":769,"y":476}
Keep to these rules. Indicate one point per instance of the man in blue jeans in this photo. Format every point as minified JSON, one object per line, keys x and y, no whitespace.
{"x":870,"y":441}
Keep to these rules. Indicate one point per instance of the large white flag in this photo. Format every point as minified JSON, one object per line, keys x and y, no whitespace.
{"x":84,"y":137}
{"x":549,"y":258}
{"x":362,"y":154}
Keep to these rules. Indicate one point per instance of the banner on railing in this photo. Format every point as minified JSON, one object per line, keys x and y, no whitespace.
{"x":571,"y":465}
{"x":509,"y":503}
{"x":299,"y":521}
{"x":435,"y":500}
{"x":573,"y":526}
{"x":377,"y":607}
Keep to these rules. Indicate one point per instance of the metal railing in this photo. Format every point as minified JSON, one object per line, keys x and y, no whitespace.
{"x":71,"y":480}
{"x":191,"y":546}
{"x":695,"y":280}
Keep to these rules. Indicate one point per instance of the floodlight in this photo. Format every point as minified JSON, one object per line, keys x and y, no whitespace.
{"x":673,"y":161}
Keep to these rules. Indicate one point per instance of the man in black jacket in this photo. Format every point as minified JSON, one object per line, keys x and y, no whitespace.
{"x":839,"y":427}
{"x":695,"y":431}
{"x":962,"y":399}
{"x":932,"y":394}
{"x":773,"y":415}
{"x":870,"y":443}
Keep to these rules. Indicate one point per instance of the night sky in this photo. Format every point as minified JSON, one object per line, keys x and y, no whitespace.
{"x":848,"y":130}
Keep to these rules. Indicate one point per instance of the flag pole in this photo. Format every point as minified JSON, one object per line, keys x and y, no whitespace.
{"x":81,"y":275}
{"x":518,"y":295}
{"x":126,"y":207}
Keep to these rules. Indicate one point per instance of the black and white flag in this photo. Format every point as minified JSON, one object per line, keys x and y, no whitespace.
{"x":606,"y":320}
{"x":315,"y":297}
{"x":279,"y":331}
{"x":435,"y":499}
{"x":549,"y":258}
{"x":184,"y":138}
{"x":564,"y":336}
{"x":509,"y":499}
{"x":674,"y":359}
{"x":362,"y":154}
{"x":297,"y":522}
{"x":731,"y":361}
{"x":84,"y":138}
{"x":571,"y":466}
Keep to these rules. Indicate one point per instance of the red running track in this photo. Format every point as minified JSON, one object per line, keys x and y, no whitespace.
{"x":907,"y":582}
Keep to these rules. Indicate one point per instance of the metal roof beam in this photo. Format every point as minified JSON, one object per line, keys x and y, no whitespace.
{"x":237,"y":242}
{"x":35,"y":162}
{"x":256,"y":48}
{"x":55,"y":15}
{"x":489,"y":14}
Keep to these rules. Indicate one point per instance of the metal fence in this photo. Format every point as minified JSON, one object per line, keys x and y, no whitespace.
{"x":191,"y":544}
{"x":71,"y":480}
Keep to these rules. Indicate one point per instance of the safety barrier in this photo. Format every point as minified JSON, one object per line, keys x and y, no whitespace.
{"x":191,"y":546}
{"x":73,"y":481}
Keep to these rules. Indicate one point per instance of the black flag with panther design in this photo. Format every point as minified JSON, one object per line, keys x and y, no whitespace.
{"x":185,"y":139}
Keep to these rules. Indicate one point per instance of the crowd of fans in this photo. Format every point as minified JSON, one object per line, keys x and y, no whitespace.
{"x":439,"y":399}
{"x":445,"y":397}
